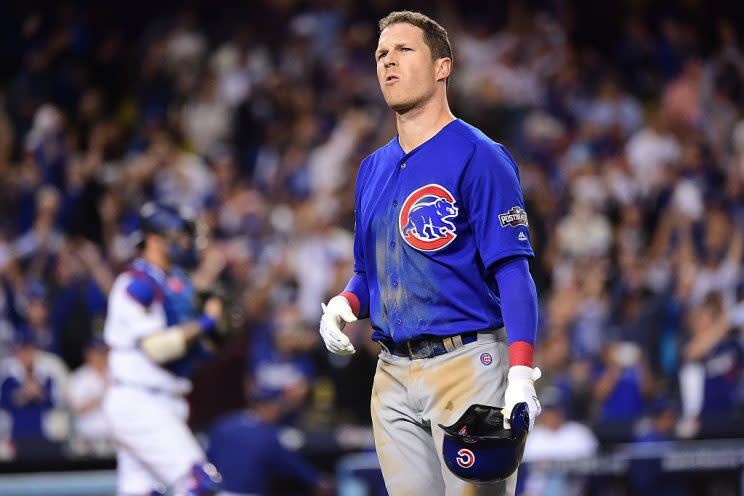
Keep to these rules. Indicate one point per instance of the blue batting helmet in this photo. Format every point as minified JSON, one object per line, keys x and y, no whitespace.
{"x":163,"y":219}
{"x":166,"y":221}
{"x":478,"y":449}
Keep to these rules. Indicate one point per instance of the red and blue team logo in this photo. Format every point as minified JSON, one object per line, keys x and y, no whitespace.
{"x":175,"y":284}
{"x":465,"y":458}
{"x":426,"y":216}
{"x":486,"y":358}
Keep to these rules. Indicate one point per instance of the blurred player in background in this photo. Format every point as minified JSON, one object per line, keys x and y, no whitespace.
{"x":247,"y":449}
{"x":441,"y":250}
{"x":156,"y":333}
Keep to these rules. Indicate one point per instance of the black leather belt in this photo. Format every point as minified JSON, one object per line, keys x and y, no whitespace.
{"x":428,"y":347}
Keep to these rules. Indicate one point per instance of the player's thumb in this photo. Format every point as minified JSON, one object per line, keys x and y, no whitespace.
{"x":347,"y":314}
{"x":506,"y":412}
{"x":340,"y":306}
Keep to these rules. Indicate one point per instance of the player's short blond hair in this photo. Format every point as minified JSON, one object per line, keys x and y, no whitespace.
{"x":435,"y":36}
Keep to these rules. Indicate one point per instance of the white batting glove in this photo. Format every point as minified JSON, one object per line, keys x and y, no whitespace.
{"x":520,"y":388}
{"x":335,"y":317}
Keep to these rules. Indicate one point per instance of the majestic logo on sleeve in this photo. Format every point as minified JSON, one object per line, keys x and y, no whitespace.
{"x":426,"y":216}
{"x":516,"y":216}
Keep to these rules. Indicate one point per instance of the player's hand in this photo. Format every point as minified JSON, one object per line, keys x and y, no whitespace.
{"x":521,"y":388}
{"x":335,"y":317}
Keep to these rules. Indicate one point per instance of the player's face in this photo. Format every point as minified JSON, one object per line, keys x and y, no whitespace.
{"x":405,"y":69}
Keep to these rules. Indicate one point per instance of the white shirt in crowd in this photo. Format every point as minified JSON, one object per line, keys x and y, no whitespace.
{"x":87,"y":385}
{"x":571,"y":441}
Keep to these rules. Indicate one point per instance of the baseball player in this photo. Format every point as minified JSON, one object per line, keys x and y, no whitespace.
{"x":155,"y":334}
{"x":441,"y":250}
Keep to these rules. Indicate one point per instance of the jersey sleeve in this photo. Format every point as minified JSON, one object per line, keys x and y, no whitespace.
{"x":518,"y":308}
{"x":357,"y":292}
{"x":141,"y":291}
{"x":129,"y":318}
{"x":359,"y":266}
{"x":492,"y":197}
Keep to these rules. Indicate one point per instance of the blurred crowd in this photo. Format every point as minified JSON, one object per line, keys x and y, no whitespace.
{"x":631,"y":161}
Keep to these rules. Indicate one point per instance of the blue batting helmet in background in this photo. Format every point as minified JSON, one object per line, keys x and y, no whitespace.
{"x":164,"y":220}
{"x":161,"y":219}
{"x":478,"y":449}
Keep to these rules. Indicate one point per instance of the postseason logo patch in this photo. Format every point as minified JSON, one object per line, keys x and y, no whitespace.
{"x":516,"y":216}
{"x":425,"y":220}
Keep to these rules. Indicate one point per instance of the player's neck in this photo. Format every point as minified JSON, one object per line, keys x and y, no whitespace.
{"x":420,"y":124}
{"x":161,"y":262}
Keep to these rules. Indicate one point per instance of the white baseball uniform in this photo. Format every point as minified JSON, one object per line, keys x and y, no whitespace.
{"x":145,"y":404}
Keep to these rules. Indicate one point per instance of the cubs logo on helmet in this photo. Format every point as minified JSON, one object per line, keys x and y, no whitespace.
{"x":479,"y":449}
{"x":465,"y":458}
{"x":425,"y":221}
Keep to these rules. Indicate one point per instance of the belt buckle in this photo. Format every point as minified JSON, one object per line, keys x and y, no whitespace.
{"x":420,"y":348}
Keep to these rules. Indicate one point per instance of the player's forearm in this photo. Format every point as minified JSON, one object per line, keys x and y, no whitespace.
{"x":518,"y":309}
{"x":357,"y":293}
{"x":173,"y":342}
{"x":87,"y":406}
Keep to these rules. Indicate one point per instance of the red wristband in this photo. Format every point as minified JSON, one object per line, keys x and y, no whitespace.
{"x":521,"y":353}
{"x":353,"y":301}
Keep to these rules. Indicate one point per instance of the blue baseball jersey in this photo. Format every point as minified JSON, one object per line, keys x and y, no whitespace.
{"x":430,"y":226}
{"x":248,"y":454}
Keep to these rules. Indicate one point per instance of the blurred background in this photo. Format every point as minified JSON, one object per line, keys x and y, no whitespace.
{"x":626,"y":120}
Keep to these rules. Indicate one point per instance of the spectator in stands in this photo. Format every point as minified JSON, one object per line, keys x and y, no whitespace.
{"x":43,"y":240}
{"x":36,"y":313}
{"x":555,"y":438}
{"x":280,"y":361}
{"x":713,"y":360}
{"x":86,"y":390}
{"x":82,"y":281}
{"x":646,"y":474}
{"x":622,"y":383}
{"x":9,"y":315}
{"x":32,"y":392}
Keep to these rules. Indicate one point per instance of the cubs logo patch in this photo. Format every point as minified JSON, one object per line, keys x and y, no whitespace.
{"x":516,"y":216}
{"x":425,"y":220}
{"x":465,"y":458}
{"x":486,"y":358}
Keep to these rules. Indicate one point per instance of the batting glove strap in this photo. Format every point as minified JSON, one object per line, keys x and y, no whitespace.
{"x":353,"y":301}
{"x":521,"y":388}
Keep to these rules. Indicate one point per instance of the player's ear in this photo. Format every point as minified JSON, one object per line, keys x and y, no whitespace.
{"x":444,"y":67}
